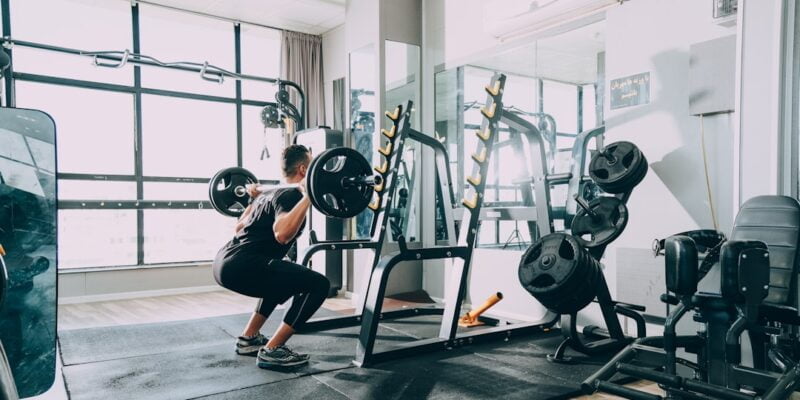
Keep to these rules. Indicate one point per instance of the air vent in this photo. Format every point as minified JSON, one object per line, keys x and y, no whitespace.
{"x":725,"y":8}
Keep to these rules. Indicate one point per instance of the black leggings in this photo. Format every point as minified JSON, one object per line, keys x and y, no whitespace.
{"x":274,"y":281}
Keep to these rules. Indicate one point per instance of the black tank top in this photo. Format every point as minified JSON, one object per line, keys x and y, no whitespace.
{"x":258,"y":231}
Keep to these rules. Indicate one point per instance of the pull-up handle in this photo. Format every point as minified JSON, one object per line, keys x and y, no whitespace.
{"x":211,"y":77}
{"x":111,"y":64}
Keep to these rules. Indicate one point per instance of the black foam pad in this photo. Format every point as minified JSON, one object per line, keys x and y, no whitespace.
{"x":680,"y":256}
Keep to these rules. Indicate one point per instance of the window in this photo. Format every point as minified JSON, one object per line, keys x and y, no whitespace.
{"x":173,"y":36}
{"x":94,"y":238}
{"x":88,"y":141}
{"x":104,"y":26}
{"x":184,"y":235}
{"x":114,"y":151}
{"x":201,"y":134}
{"x":261,"y":55}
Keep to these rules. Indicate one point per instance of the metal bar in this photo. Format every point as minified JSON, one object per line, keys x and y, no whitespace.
{"x":8,"y":74}
{"x":131,"y":89}
{"x":538,"y":171}
{"x":138,"y":157}
{"x":579,"y":152}
{"x":137,"y":59}
{"x":626,"y":392}
{"x":443,"y":179}
{"x":134,"y":205}
{"x":327,"y":323}
{"x":73,"y":82}
{"x":580,"y":109}
{"x":237,"y":46}
{"x":426,"y":346}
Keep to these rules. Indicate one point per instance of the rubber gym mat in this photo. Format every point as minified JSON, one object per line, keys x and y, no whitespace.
{"x":196,"y":369}
{"x":80,"y":346}
{"x":291,"y":389}
{"x":455,"y":374}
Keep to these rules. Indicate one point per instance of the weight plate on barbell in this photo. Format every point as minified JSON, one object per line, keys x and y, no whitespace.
{"x":609,"y":220}
{"x":310,"y":183}
{"x":329,"y":190}
{"x":227,"y":190}
{"x":618,"y":168}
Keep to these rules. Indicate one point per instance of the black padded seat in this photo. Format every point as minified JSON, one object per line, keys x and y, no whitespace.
{"x":774,"y":220}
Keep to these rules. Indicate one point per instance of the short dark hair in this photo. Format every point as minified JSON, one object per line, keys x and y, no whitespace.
{"x":293,"y":156}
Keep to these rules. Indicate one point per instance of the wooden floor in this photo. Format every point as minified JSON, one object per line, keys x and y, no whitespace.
{"x":173,"y":308}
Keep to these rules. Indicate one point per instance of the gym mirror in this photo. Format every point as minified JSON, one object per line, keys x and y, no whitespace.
{"x":363,"y":108}
{"x":401,"y":68}
{"x":28,"y":235}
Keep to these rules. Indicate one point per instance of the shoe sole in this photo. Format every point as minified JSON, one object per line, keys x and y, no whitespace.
{"x":248,"y":351}
{"x":270,"y":365}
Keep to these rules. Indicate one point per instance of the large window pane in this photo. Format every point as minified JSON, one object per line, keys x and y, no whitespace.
{"x":261,"y":56}
{"x":561,"y":101}
{"x":95,"y":190}
{"x":92,"y":238}
{"x":94,"y":127}
{"x":93,"y":25}
{"x":184,"y":235}
{"x":200,"y":134}
{"x":175,"y":191}
{"x":257,"y":142}
{"x":173,"y":36}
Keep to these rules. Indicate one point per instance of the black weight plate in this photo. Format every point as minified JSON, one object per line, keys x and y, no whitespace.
{"x":282,"y":96}
{"x":270,"y":117}
{"x":333,"y":197}
{"x":310,"y":183}
{"x":614,"y":174}
{"x":611,"y":219}
{"x":548,"y":264}
{"x":222,"y":190}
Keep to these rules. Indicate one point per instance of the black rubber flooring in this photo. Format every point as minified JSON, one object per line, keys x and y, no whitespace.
{"x":195,"y":359}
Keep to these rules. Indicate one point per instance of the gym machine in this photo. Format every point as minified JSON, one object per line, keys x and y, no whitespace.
{"x":750,"y":286}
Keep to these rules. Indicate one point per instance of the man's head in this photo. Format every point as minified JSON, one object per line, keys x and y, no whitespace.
{"x":294,"y":162}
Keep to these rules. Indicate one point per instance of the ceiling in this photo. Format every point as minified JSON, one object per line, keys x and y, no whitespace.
{"x":309,"y":16}
{"x":567,"y":57}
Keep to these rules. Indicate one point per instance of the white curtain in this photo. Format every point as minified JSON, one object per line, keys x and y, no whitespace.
{"x":301,"y":63}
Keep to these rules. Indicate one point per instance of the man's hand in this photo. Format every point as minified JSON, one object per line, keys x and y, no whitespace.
{"x":252,"y":190}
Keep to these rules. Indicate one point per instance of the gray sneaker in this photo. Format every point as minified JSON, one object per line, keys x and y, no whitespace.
{"x":249,"y":346}
{"x":280,"y":356}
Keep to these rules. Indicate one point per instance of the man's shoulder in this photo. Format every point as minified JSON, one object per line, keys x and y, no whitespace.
{"x":287,"y":194}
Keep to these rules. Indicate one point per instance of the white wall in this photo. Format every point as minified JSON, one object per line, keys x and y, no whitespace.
{"x":654,"y":36}
{"x":334,"y":65}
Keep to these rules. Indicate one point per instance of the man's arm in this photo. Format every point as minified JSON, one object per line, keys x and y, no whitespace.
{"x":241,"y":222}
{"x":287,"y":224}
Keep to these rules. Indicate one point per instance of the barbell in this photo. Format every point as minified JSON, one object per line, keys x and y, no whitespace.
{"x":339,"y":183}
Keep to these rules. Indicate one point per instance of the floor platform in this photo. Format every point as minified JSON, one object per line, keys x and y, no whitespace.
{"x":195,"y":359}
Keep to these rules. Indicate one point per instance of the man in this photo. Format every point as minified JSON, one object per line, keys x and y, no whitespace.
{"x":252,"y":264}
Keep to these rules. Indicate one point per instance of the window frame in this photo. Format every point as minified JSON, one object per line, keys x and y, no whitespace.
{"x":140,"y":204}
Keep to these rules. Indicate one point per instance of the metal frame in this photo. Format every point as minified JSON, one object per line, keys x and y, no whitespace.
{"x":380,"y":222}
{"x":133,"y":57}
{"x":460,"y":256}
